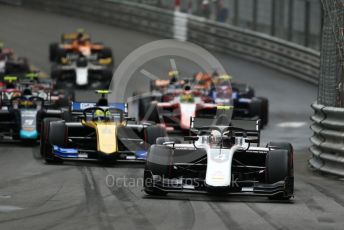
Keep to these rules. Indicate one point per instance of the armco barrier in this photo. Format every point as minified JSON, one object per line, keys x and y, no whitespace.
{"x":11,"y":2}
{"x":290,"y":58}
{"x":328,"y":139}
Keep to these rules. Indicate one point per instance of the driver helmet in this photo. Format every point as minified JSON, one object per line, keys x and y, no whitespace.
{"x":81,"y":37}
{"x":215,"y":137}
{"x":216,"y":133}
{"x":187,"y":96}
{"x":215,"y":74}
{"x":80,"y":33}
{"x":100,"y":115}
{"x":10,"y":86}
{"x":27,"y":92}
{"x":187,"y":88}
{"x":173,"y":76}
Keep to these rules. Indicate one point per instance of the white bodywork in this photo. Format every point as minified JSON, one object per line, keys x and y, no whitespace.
{"x":81,"y":76}
{"x":219,"y":166}
{"x":82,"y":72}
{"x":2,"y":66}
{"x":187,"y":110}
{"x":219,"y":161}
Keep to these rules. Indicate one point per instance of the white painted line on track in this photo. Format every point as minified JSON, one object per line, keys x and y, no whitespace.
{"x":149,"y":75}
{"x":173,"y":64}
{"x":89,"y":178}
{"x":292,"y":124}
{"x":9,"y":208}
{"x":4,"y":196}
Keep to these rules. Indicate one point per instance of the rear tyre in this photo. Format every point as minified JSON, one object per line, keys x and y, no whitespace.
{"x":148,"y":110}
{"x":157,"y":164}
{"x":24,"y":65}
{"x":153,"y":133}
{"x":56,"y":73}
{"x":67,"y":116}
{"x":107,"y":77}
{"x":264,"y":112}
{"x":250,"y":93}
{"x":255,"y":109}
{"x":67,"y":97}
{"x":106,"y":53}
{"x":281,"y":145}
{"x":279,"y":168}
{"x":153,"y":113}
{"x":60,"y":53}
{"x":45,"y":146}
{"x":53,"y":49}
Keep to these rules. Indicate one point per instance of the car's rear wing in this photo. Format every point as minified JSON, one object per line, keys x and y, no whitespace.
{"x":69,"y":37}
{"x":79,"y":107}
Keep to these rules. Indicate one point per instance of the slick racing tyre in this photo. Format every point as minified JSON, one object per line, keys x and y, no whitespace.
{"x":146,"y":109}
{"x":264,"y":111}
{"x":56,"y":72}
{"x":250,"y":93}
{"x":153,"y":133}
{"x":157,"y":164}
{"x":106,"y":53}
{"x":23,"y":65}
{"x":60,"y":53}
{"x":281,"y":145}
{"x":66,"y":97}
{"x":279,"y":167}
{"x":46,"y":146}
{"x":256,"y":110}
{"x":107,"y":77}
{"x":53,"y":49}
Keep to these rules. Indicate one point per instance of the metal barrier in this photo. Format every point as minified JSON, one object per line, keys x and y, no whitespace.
{"x":287,"y":57}
{"x":11,"y":2}
{"x":328,"y":139}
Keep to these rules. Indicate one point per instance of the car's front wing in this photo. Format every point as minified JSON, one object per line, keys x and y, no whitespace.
{"x":194,"y":185}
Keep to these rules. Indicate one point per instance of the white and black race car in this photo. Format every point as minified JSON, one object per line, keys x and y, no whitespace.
{"x":221,"y":159}
{"x":82,"y":72}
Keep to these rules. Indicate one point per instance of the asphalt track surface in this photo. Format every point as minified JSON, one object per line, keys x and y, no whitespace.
{"x":34,"y":195}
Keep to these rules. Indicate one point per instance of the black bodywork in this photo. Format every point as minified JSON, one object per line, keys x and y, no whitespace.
{"x":172,"y":167}
{"x":15,"y":118}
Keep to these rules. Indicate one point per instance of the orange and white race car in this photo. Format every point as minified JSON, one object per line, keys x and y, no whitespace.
{"x":78,"y":44}
{"x":79,"y":62}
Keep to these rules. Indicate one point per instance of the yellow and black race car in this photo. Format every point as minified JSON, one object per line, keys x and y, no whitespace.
{"x":97,"y":131}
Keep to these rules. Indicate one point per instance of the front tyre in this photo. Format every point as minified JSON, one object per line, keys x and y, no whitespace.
{"x":157,"y":164}
{"x":279,"y":167}
{"x":45,"y":145}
